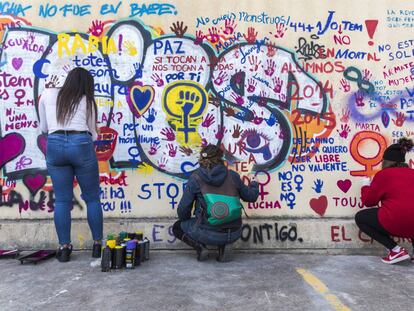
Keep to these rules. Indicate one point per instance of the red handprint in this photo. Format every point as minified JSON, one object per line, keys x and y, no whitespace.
{"x":256,"y":119}
{"x":220,"y":132}
{"x":229,"y":111}
{"x":208,"y":120}
{"x":345,"y":129}
{"x":199,"y":37}
{"x":158,"y":79}
{"x":153,"y":149}
{"x":280,"y":30}
{"x":168,"y":133}
{"x":254,"y":62}
{"x":271,"y":66}
{"x":345,"y":115}
{"x":366,"y":75}
{"x":162,"y":163}
{"x":251,"y":85}
{"x":229,"y":25}
{"x":239,"y":100}
{"x":186,"y":150}
{"x":262,"y":101}
{"x":346,"y":86}
{"x":171,"y":150}
{"x":271,"y":49}
{"x":251,"y":35}
{"x":97,"y":28}
{"x":222,"y":77}
{"x":214,"y":36}
{"x":359,"y":99}
{"x":277,"y":84}
{"x":400,"y":119}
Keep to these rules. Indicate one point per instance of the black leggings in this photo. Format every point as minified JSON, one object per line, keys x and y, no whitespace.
{"x":367,"y":221}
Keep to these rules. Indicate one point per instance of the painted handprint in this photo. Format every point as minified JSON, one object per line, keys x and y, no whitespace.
{"x":254,"y":63}
{"x":251,"y":35}
{"x":179,"y":29}
{"x":280,"y":31}
{"x":158,"y":79}
{"x":172,"y":151}
{"x":229,"y":26}
{"x":237,"y":131}
{"x":186,"y":150}
{"x":345,"y":85}
{"x":53,"y":82}
{"x":97,"y":28}
{"x":251,"y":86}
{"x":199,"y":37}
{"x":271,"y":50}
{"x":271,"y":66}
{"x":138,"y":70}
{"x":153,"y":149}
{"x":345,"y":115}
{"x":345,"y":129}
{"x":277,"y":84}
{"x":131,"y":49}
{"x":214,"y":36}
{"x":208,"y":120}
{"x":399,"y":121}
{"x":222,"y":77}
{"x":359,"y":99}
{"x":239,"y":99}
{"x":366,"y":75}
{"x":151,"y":115}
{"x":168,"y":133}
{"x":318,"y":185}
{"x":162,"y":162}
{"x":220,"y":132}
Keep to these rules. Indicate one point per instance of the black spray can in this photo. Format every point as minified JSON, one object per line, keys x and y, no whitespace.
{"x":139,"y":235}
{"x":142,"y":251}
{"x":106,"y":260}
{"x":138,"y":253}
{"x":119,"y":257}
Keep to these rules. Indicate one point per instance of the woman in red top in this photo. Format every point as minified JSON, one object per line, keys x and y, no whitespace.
{"x":393,"y":188}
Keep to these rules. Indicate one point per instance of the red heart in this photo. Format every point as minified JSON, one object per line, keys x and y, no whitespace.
{"x":11,"y":146}
{"x":34,"y":182}
{"x":344,"y":185}
{"x":319,"y":205}
{"x":41,"y":143}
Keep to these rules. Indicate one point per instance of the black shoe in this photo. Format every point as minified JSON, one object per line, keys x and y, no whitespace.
{"x":63,"y":253}
{"x":224,"y":252}
{"x":202,"y":253}
{"x":96,"y":250}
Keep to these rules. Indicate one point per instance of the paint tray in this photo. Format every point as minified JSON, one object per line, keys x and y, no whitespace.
{"x":37,"y":256}
{"x":8,"y":253}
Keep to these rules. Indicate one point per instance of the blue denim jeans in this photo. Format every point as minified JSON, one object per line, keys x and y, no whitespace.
{"x":208,"y":237}
{"x":67,"y":156}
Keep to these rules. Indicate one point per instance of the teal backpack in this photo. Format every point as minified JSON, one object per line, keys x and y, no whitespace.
{"x":222,"y":203}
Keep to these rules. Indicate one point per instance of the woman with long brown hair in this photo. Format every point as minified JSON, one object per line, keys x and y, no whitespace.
{"x":69,"y":116}
{"x":392,"y":188}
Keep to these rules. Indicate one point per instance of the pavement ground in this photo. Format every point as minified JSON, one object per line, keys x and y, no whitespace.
{"x":174,"y":280}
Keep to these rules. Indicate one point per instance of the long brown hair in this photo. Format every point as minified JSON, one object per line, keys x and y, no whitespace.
{"x":78,"y":83}
{"x":210,"y":156}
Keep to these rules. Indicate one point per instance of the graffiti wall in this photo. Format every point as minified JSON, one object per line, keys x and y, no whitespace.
{"x":305,"y":96}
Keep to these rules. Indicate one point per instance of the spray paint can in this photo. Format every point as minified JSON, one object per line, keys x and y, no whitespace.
{"x":119,"y":257}
{"x":111,"y":244}
{"x":138,"y":257}
{"x":130,"y":255}
{"x":147,"y":249}
{"x":106,"y":260}
{"x":132,"y":235}
{"x":122,"y":235}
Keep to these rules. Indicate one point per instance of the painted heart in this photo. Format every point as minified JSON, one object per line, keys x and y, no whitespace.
{"x":319,"y":205}
{"x":140,"y":99}
{"x":42,"y":143}
{"x":11,"y":146}
{"x":188,"y":168}
{"x":34,"y":182}
{"x":17,"y":62}
{"x":344,"y":185}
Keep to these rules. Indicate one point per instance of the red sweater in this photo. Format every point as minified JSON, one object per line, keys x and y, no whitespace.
{"x":394,"y":188}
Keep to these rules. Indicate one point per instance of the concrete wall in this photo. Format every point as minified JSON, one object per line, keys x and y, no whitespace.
{"x":305,"y":95}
